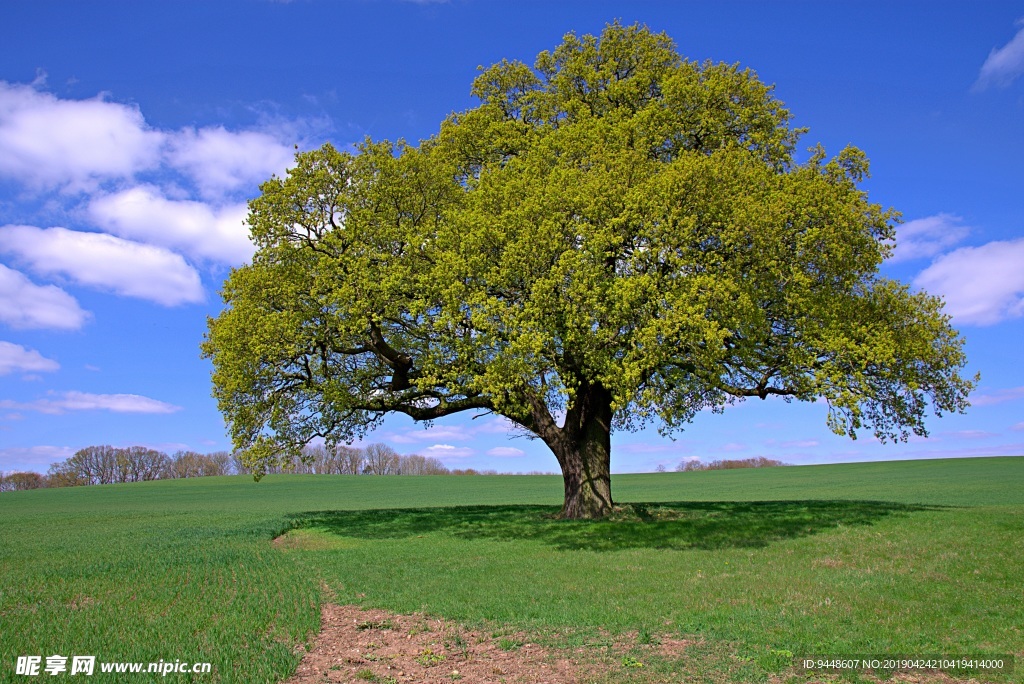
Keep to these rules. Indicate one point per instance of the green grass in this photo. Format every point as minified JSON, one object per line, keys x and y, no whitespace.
{"x":914,"y":557}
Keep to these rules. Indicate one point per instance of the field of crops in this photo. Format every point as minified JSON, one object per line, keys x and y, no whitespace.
{"x":915,"y":557}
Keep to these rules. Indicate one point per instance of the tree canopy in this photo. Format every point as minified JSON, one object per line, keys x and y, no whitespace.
{"x":613,"y":237}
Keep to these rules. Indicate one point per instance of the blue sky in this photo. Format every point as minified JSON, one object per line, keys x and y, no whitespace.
{"x":131,"y":135}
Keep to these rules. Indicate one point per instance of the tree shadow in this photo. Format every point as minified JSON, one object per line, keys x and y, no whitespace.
{"x":677,"y":525}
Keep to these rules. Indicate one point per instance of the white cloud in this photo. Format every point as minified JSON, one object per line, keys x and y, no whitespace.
{"x":800,"y":444}
{"x":222,"y":161}
{"x":1011,"y":449}
{"x":506,"y":452}
{"x":46,"y":142}
{"x":199,"y":230}
{"x":1019,"y":427}
{"x":998,"y":396}
{"x":734,"y":446}
{"x":1003,"y":65}
{"x":449,"y":432}
{"x":85,"y":401}
{"x":105,"y":262}
{"x":37,"y":458}
{"x":981,"y":285}
{"x":14,"y":357}
{"x":23,"y":304}
{"x":444,"y":451}
{"x":653,"y":448}
{"x":926,"y":237}
{"x":498,"y":425}
{"x":971,"y":434}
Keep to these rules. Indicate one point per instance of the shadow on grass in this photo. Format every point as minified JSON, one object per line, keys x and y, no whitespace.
{"x":679,"y":525}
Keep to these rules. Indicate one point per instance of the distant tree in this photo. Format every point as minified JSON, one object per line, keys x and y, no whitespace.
{"x":106,"y":464}
{"x":59,"y":475}
{"x":18,"y":481}
{"x":612,"y":237}
{"x":183,"y":464}
{"x":138,"y":464}
{"x":380,"y":459}
{"x":415,"y":464}
{"x":92,"y":465}
{"x":239,"y":463}
{"x":318,"y":459}
{"x":727,"y":464}
{"x":194,"y":464}
{"x":220,"y":463}
{"x":350,"y":460}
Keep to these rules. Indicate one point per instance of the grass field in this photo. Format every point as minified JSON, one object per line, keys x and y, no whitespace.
{"x":913,"y":557}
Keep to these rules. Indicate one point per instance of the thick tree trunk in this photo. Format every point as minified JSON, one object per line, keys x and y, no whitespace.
{"x":584,"y":451}
{"x":586,"y":472}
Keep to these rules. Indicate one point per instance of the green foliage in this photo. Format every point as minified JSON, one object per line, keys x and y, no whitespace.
{"x":631,"y":661}
{"x":509,"y":644}
{"x":645,"y":638}
{"x":381,"y":624}
{"x":616,"y":231}
{"x":428,"y":658}
{"x":369,"y":675}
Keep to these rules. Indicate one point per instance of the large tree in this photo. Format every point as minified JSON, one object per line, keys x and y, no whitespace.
{"x":612,"y":237}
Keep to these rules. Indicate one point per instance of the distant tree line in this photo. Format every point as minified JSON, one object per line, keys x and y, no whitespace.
{"x":756,"y":462}
{"x":12,"y":482}
{"x":108,"y":465}
{"x":373,"y":459}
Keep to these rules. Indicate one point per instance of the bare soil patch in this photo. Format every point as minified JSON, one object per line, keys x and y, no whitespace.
{"x":357,"y":645}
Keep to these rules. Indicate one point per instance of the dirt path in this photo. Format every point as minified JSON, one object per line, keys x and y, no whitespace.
{"x":356,"y":645}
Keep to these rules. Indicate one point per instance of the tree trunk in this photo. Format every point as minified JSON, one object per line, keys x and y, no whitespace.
{"x":584,"y":451}
{"x":586,"y":472}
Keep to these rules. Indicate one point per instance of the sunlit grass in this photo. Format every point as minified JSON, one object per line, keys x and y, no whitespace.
{"x":909,"y":557}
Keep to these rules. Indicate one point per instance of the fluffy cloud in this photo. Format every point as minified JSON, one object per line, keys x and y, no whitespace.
{"x":981,"y":285}
{"x":37,"y":458}
{"x":443,"y":451}
{"x":23,"y":304}
{"x":926,"y":237}
{"x":434,"y":432}
{"x":105,"y":262}
{"x":652,"y":448}
{"x":199,"y":230}
{"x":798,"y":444}
{"x":14,"y":357}
{"x":84,"y":401}
{"x":1004,"y":64}
{"x":222,"y":161}
{"x":971,"y":434}
{"x":498,"y":425}
{"x":47,"y":142}
{"x":998,"y":396}
{"x":506,"y":452}
{"x":132,"y":175}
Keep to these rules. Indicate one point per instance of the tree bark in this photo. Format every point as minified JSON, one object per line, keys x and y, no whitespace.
{"x":583,"y":449}
{"x":586,"y":472}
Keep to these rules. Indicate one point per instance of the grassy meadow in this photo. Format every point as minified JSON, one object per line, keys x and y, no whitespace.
{"x":912,"y":557}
